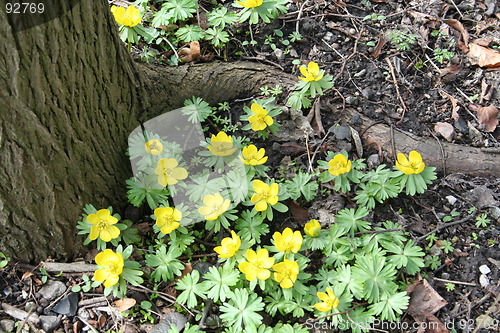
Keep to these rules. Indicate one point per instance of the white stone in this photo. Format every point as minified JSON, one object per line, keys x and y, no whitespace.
{"x":484,"y":281}
{"x":451,"y":199}
{"x":484,"y":269}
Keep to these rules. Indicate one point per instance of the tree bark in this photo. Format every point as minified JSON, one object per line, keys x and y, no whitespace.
{"x":70,"y":95}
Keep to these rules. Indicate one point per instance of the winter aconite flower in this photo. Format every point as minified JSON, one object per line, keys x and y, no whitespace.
{"x":221,"y":144}
{"x":260,"y":118}
{"x":129,"y":17}
{"x":167,"y":218}
{"x":339,"y":165}
{"x":330,"y":301}
{"x":229,"y":246}
{"x":215,"y":206}
{"x":413,"y":165}
{"x":112,"y":266}
{"x":286,"y":273}
{"x":288,"y":241}
{"x":168,"y":172}
{"x":250,"y":3}
{"x":312,"y":228}
{"x":257,"y":265}
{"x":103,"y":225}
{"x":153,"y":147}
{"x":264,"y":195}
{"x":253,"y":156}
{"x":311,"y":72}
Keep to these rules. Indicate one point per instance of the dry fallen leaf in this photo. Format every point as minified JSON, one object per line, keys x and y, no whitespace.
{"x":446,"y":130}
{"x":454,"y":105}
{"x":124,"y":304}
{"x":190,"y":53}
{"x":455,"y":24}
{"x":483,"y":56}
{"x":424,"y":302}
{"x":488,"y":116}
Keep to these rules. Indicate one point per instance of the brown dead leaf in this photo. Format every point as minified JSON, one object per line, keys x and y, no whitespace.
{"x":300,"y":214}
{"x":455,"y":24}
{"x":124,"y":304}
{"x":378,"y":48}
{"x":483,"y":41}
{"x":423,"y":300}
{"x":446,"y":130}
{"x":454,"y":104}
{"x":488,"y":116}
{"x":314,"y":118}
{"x":188,"y":268}
{"x":486,"y":91}
{"x":190,"y":53}
{"x":26,"y":275}
{"x":483,"y":56}
{"x":432,"y":325}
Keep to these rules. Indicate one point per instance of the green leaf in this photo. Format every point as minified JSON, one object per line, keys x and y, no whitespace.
{"x":219,"y":280}
{"x":166,"y":263}
{"x":350,"y":219}
{"x":180,"y":10}
{"x":378,"y":276}
{"x":191,"y":288}
{"x":242,"y":309}
{"x":190,"y":33}
{"x":390,"y":306}
{"x":220,"y":17}
{"x":251,"y":226}
{"x":196,"y":109}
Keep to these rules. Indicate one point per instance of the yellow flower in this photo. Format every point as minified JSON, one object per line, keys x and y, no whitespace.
{"x":153,"y":147}
{"x":312,"y":228}
{"x":252,"y":156}
{"x":330,"y":301}
{"x":222,"y":145}
{"x":311,"y":73}
{"x":415,"y":165}
{"x":289,"y":241}
{"x":215,"y":206}
{"x":229,"y":246}
{"x":129,"y":17}
{"x":286,"y":273}
{"x":339,"y":165}
{"x":260,"y":118}
{"x":168,"y":172}
{"x":264,"y":194}
{"x":112,"y":266}
{"x":257,"y":265}
{"x":167,"y":218}
{"x":250,"y":3}
{"x":103,"y":225}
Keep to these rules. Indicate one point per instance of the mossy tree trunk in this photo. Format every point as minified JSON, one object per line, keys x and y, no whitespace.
{"x":70,"y":95}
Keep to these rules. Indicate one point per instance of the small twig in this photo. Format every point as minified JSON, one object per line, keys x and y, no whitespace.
{"x":30,"y":312}
{"x":433,"y":64}
{"x":297,"y":24}
{"x":393,"y":144}
{"x":393,"y":74}
{"x":443,"y":159}
{"x":455,"y":282}
{"x":446,"y":225}
{"x":310,"y":169}
{"x":458,"y":10}
{"x":264,"y":60}
{"x":87,"y":324}
{"x":377,"y":231}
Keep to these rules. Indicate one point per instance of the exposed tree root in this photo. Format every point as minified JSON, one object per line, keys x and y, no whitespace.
{"x":221,"y":81}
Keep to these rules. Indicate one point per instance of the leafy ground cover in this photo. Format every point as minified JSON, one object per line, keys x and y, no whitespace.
{"x":419,"y":66}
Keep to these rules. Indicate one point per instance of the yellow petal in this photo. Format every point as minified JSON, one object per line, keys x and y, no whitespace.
{"x":105,"y":235}
{"x":94,"y":233}
{"x":111,"y":280}
{"x":261,"y":206}
{"x":323,"y":307}
{"x":101,"y":274}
